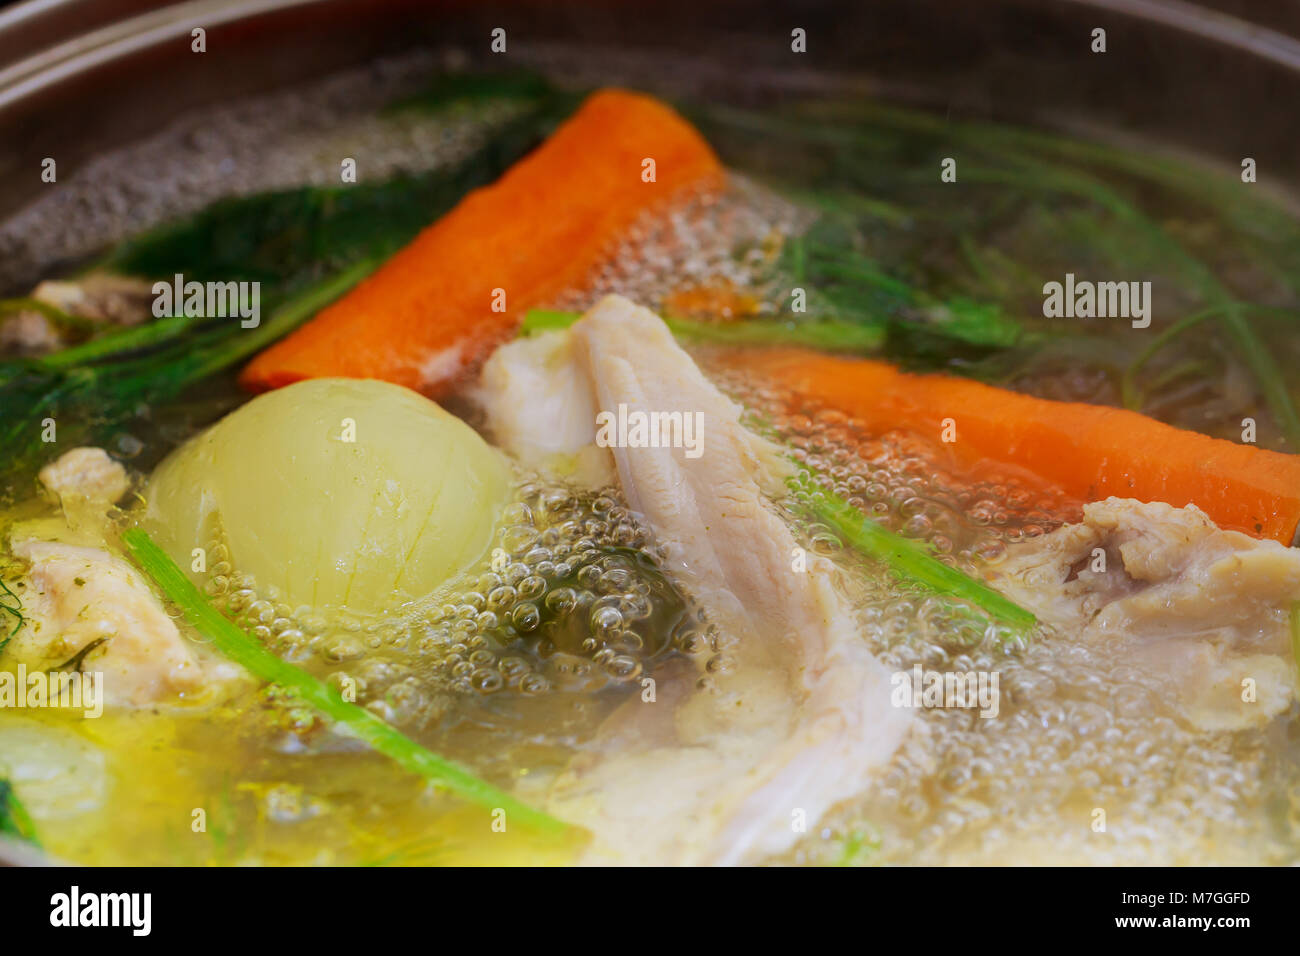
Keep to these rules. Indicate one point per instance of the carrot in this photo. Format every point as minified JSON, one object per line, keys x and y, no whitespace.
{"x":1090,"y":451}
{"x":718,"y":301}
{"x":460,"y":288}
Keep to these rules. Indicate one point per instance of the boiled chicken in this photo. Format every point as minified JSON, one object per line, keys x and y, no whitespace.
{"x":791,"y":714}
{"x":1204,"y":609}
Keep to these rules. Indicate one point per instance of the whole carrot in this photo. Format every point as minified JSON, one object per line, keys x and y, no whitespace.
{"x":460,"y":288}
{"x":1090,"y":451}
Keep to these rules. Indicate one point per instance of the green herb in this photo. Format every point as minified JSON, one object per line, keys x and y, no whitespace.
{"x":291,"y":238}
{"x":15,"y":821}
{"x":827,"y":335}
{"x":1032,"y":205}
{"x":77,"y":660}
{"x":244,"y":650}
{"x":14,"y":610}
{"x":904,"y":557}
{"x":537,"y":321}
{"x":61,"y":319}
{"x":848,"y":287}
{"x":1129,"y":390}
{"x":859,"y":847}
{"x":114,"y":385}
{"x":306,"y":246}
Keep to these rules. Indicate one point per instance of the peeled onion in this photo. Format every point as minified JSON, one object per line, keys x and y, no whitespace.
{"x":335,"y":492}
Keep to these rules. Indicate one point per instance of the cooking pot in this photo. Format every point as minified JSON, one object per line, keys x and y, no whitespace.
{"x":1218,"y":80}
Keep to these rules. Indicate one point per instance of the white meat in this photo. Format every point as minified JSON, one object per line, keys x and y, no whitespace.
{"x":85,"y":473}
{"x":75,"y":596}
{"x":798,"y":714}
{"x":1206,"y":609}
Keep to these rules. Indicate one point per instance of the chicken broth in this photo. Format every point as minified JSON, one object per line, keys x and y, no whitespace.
{"x":646,"y":641}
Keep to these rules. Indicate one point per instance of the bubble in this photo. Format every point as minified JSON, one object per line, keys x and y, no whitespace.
{"x":518,"y":512}
{"x":1073,"y":730}
{"x":623,"y":667}
{"x":532,"y":587}
{"x":241,"y":599}
{"x":606,"y":620}
{"x":526,"y":617}
{"x":561,"y":600}
{"x":344,"y":649}
{"x":720,"y":664}
{"x":614,"y":581}
{"x":517,"y":539}
{"x":502,"y":598}
{"x":534,"y":685}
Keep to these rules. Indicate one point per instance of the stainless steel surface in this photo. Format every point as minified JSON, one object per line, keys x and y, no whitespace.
{"x":79,"y":75}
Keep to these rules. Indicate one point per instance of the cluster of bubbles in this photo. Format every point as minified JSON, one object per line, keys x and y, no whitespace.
{"x":1081,"y":741}
{"x":905,"y":483}
{"x":570,"y":598}
{"x":1078,"y":729}
{"x":708,"y":237}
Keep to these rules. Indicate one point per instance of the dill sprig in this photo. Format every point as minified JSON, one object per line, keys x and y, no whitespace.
{"x":103,"y":382}
{"x":305,"y":246}
{"x":859,"y":846}
{"x":1027,"y":206}
{"x":13,"y":610}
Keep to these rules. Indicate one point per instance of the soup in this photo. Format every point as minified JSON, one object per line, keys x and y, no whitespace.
{"x":569,"y":477}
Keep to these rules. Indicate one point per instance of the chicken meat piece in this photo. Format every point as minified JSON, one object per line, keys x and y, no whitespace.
{"x":87,"y":474}
{"x":794,"y":714}
{"x":1207,"y":610}
{"x":28,"y":332}
{"x":85,"y":601}
{"x":538,"y":403}
{"x":90,"y":300}
{"x":100,"y":297}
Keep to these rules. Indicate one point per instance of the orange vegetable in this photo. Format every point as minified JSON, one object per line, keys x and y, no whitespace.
{"x":1090,"y":451}
{"x":427,"y":315}
{"x":718,"y":301}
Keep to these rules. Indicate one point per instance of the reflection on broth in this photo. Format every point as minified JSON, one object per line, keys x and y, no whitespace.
{"x":664,"y":646}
